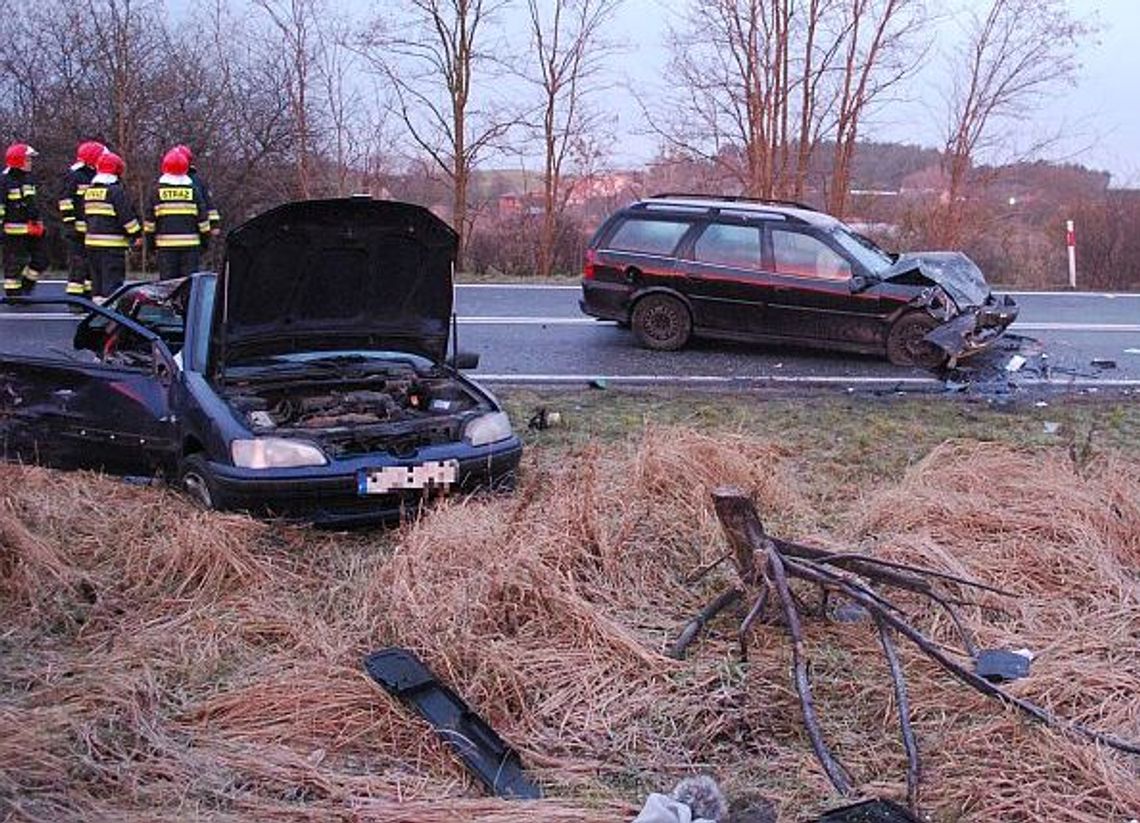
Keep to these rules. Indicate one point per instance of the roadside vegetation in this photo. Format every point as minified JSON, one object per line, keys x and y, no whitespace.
{"x":159,"y":660}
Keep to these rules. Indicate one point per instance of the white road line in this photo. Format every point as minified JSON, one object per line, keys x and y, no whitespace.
{"x":521,"y":320}
{"x":760,"y":380}
{"x":1098,"y":327}
{"x":1106,"y":295}
{"x":559,"y":287}
{"x":521,"y":286}
{"x":706,"y":379}
{"x":40,"y":315}
{"x":524,"y":320}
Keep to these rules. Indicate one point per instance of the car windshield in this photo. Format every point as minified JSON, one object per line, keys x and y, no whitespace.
{"x":870,"y":256}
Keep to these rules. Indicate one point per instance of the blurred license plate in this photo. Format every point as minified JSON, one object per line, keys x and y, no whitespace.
{"x":434,"y":474}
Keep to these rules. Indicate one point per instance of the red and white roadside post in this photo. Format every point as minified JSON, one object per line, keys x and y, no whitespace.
{"x":1071,"y":242}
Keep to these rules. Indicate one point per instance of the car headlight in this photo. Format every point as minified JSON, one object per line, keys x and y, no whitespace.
{"x":489,"y":428}
{"x":275,"y":453}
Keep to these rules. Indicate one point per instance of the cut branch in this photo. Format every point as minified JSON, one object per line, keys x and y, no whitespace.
{"x":765,"y":565}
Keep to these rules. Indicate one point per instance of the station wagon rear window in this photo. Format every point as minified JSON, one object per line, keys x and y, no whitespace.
{"x":649,"y":236}
{"x":726,"y":245}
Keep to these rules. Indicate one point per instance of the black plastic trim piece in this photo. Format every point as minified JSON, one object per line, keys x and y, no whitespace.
{"x":482,"y":751}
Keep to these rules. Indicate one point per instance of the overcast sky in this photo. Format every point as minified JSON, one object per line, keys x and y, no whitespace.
{"x":1100,"y":115}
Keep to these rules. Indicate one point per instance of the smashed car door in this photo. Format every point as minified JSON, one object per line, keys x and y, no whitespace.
{"x":108,"y":411}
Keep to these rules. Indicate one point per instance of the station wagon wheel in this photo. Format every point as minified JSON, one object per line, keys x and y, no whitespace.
{"x":195,"y":480}
{"x":661,"y":322}
{"x":906,"y":343}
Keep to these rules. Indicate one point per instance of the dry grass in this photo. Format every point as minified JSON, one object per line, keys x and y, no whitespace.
{"x":157,"y":661}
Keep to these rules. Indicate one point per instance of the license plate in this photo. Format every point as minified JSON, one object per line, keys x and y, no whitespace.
{"x":434,"y":474}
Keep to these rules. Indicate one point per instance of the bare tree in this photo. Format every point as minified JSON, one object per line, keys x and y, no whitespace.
{"x":439,"y":65}
{"x":761,"y":82}
{"x":1013,"y":55}
{"x":568,"y":50}
{"x":296,"y":24}
{"x":879,"y":53}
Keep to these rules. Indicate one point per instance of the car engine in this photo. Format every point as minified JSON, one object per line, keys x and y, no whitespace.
{"x":348,"y":416}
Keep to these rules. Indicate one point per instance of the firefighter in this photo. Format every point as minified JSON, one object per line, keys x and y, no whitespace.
{"x":212,"y":210}
{"x":75,"y":183}
{"x":24,"y":256}
{"x":177,"y":219}
{"x":112,"y":227}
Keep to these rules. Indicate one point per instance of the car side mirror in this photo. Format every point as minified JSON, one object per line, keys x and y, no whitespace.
{"x":465,"y":360}
{"x":860,"y":283}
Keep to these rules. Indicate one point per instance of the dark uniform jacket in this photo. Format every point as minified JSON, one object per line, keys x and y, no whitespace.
{"x":110,"y":218}
{"x":212,"y":212}
{"x":19,"y":208}
{"x":75,"y":183}
{"x":177,"y":215}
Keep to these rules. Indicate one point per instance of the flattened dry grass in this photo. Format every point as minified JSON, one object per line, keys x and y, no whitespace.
{"x":161,"y":661}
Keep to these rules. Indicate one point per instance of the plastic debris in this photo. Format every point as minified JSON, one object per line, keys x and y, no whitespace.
{"x":486,"y":756}
{"x":1015,"y":363}
{"x":1051,"y":427}
{"x":869,"y":811}
{"x":1000,"y":665}
{"x":694,"y":800}
{"x":543,"y":419}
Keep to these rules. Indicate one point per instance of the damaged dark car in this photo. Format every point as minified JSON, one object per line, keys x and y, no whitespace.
{"x":674,"y":267}
{"x":310,"y":380}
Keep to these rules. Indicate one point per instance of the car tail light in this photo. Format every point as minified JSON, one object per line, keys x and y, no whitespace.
{"x":589,"y":269}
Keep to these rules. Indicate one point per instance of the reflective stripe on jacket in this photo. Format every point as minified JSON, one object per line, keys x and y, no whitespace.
{"x":177,"y":214}
{"x":18,"y":207}
{"x":110,"y":218}
{"x":75,"y":183}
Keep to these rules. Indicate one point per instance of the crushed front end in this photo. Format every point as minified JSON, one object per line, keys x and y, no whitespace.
{"x":976,"y":328}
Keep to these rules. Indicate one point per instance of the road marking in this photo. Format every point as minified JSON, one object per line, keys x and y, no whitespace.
{"x":559,"y":287}
{"x":759,"y":380}
{"x":1107,"y":295}
{"x":524,"y":320}
{"x":706,"y":379}
{"x":40,"y":315}
{"x":1099,"y":327}
{"x":521,"y":320}
{"x":521,"y":286}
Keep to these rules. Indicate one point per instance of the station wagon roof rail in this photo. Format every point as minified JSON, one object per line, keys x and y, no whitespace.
{"x":731,"y":198}
{"x":715,"y":209}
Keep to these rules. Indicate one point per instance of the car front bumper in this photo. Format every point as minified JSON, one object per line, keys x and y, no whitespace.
{"x":975,"y":329}
{"x":330,"y":496}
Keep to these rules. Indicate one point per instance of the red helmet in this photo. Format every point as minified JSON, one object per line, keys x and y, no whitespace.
{"x":175,"y":162}
{"x":182,"y":147}
{"x":89,"y":152}
{"x":18,"y":155}
{"x":110,"y":163}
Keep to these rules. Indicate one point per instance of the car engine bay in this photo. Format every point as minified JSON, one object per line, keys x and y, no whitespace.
{"x":398,"y":410}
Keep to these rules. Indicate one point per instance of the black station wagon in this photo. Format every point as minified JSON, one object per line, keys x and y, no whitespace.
{"x":672,"y":267}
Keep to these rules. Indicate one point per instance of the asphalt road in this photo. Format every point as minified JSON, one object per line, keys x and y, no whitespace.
{"x":537,"y":335}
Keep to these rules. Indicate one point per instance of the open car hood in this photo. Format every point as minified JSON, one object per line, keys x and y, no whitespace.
{"x":336,"y":275}
{"x":956,"y":273}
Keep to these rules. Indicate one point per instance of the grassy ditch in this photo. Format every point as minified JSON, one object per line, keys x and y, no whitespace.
{"x":158,"y":660}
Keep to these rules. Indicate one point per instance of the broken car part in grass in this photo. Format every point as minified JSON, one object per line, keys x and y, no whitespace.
{"x":475,"y":743}
{"x":765,"y":566}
